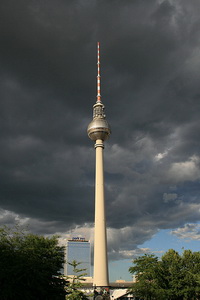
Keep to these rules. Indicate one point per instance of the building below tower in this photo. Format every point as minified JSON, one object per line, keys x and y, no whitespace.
{"x":78,"y":249}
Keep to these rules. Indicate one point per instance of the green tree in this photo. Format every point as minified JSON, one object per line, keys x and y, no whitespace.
{"x":191,"y":273}
{"x":172,"y":273}
{"x":76,"y":283}
{"x":146,"y":270}
{"x":30,"y":266}
{"x":174,"y":277}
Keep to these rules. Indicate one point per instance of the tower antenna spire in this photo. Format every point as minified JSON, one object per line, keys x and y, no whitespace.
{"x":98,"y":74}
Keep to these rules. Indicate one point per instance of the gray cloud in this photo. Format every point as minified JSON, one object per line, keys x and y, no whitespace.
{"x":150,"y":86}
{"x":188,"y":231}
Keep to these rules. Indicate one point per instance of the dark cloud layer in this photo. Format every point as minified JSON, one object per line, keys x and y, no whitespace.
{"x":150,"y":86}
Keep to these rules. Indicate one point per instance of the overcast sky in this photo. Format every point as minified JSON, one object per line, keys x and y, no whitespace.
{"x":150,"y":62}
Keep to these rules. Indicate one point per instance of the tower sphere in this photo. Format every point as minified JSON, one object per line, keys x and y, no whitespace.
{"x":98,"y":129}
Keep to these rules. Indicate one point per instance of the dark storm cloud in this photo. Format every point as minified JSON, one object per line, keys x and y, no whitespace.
{"x":150,"y":86}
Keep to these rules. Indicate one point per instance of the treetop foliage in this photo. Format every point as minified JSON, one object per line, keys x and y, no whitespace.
{"x":173,"y":277}
{"x":30,"y":266}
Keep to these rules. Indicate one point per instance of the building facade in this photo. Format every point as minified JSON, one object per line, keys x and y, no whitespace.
{"x":78,"y":249}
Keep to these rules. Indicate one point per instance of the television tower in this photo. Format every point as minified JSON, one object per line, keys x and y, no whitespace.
{"x":99,"y":131}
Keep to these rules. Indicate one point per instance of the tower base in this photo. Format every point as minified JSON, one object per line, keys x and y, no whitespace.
{"x":101,"y":293}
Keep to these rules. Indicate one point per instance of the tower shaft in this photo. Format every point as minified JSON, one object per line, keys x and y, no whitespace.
{"x":99,"y":131}
{"x":100,"y":237}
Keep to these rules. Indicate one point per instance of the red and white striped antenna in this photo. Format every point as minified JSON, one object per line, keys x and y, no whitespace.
{"x":98,"y":74}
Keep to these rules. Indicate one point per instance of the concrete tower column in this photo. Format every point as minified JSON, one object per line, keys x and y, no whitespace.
{"x":100,"y":238}
{"x":99,"y":131}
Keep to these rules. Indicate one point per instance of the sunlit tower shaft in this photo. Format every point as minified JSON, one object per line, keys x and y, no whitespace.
{"x":99,"y":131}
